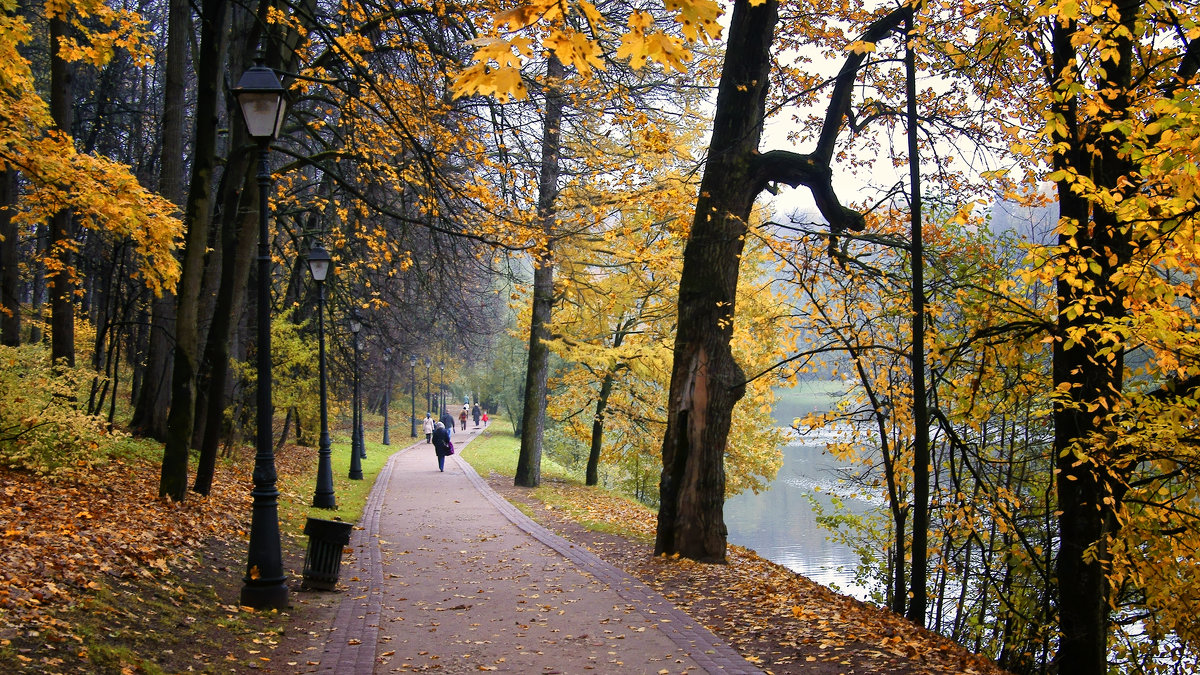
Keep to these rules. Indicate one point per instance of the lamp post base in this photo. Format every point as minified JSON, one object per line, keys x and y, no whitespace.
{"x":265,"y":594}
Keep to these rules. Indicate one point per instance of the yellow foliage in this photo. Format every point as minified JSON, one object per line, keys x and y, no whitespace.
{"x":103,"y":194}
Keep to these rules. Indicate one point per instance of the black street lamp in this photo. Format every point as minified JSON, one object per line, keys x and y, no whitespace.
{"x":260,"y":95}
{"x":319,"y":264}
{"x":442,"y":388}
{"x":387,"y":393}
{"x":355,"y":435}
{"x":412,"y":391}
{"x":362,"y":440}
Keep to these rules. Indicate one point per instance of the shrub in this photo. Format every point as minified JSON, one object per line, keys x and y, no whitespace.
{"x":43,"y":425}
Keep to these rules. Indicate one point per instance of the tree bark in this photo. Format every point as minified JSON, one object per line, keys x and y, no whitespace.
{"x":1091,"y":475}
{"x":593,"y":463}
{"x":10,"y":276}
{"x":238,"y":244}
{"x":173,"y":481}
{"x":154,"y":394}
{"x":153,"y":399}
{"x":706,"y":382}
{"x":60,"y":280}
{"x":920,"y":412}
{"x":529,"y":461}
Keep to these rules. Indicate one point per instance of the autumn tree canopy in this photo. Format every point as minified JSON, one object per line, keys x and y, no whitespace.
{"x":431,"y":146}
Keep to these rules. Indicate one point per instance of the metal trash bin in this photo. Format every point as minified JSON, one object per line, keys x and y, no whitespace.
{"x":323,"y":559}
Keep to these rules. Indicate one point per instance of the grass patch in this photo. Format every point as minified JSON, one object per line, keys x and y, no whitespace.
{"x":497,"y":449}
{"x":595,"y":508}
{"x":296,"y":488}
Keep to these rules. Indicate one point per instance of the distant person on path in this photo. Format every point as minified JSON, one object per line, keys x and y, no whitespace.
{"x":427,"y":425}
{"x":441,"y":444}
{"x":485,"y":418}
{"x":448,"y":421}
{"x":475,"y":414}
{"x":462,"y":417}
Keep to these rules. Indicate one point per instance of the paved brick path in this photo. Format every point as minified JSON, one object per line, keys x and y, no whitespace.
{"x":449,"y":577}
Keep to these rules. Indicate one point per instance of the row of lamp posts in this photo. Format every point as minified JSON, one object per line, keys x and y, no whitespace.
{"x":260,"y":96}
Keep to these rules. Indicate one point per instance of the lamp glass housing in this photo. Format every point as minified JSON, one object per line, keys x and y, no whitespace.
{"x":319,"y":263}
{"x":260,"y":95}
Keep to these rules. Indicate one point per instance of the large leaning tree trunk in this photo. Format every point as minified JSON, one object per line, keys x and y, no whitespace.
{"x":706,"y":382}
{"x":239,"y":236}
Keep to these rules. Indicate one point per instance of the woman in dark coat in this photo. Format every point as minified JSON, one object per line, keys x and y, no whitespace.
{"x":441,"y":444}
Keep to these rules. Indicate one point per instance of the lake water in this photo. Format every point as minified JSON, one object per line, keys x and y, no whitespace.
{"x":780,"y":524}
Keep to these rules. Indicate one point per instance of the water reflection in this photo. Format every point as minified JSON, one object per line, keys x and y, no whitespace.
{"x":780,"y":524}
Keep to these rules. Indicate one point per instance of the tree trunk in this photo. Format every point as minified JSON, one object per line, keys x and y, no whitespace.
{"x":1089,"y":368}
{"x":39,"y":285}
{"x":60,"y":281}
{"x":706,"y":382}
{"x":287,"y":427}
{"x":10,"y":274}
{"x":238,"y":244}
{"x":173,"y":481}
{"x":153,"y":399}
{"x":920,"y":412}
{"x":593,"y":463}
{"x":154,"y":394}
{"x":529,"y":462}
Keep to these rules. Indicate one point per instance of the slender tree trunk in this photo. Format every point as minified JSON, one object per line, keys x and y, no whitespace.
{"x":593,"y":463}
{"x":173,"y":482}
{"x":60,"y":281}
{"x":10,"y":275}
{"x":920,"y":511}
{"x":706,"y":382}
{"x":36,"y":334}
{"x":153,"y":400}
{"x":529,"y":462}
{"x":154,"y":395}
{"x":239,"y":251}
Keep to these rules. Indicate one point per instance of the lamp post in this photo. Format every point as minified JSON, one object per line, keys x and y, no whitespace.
{"x":442,"y":387}
{"x":387,"y":393}
{"x":355,"y":438}
{"x":412,"y":393}
{"x":319,"y":264}
{"x":362,"y":441}
{"x":260,"y":96}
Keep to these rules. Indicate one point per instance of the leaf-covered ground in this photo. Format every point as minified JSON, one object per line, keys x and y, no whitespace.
{"x":100,"y":576}
{"x":777,"y":619}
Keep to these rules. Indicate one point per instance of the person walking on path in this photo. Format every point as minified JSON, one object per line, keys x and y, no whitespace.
{"x":448,"y":421}
{"x":427,"y":425}
{"x":462,"y":417}
{"x":475,"y":414}
{"x":441,"y":444}
{"x":485,"y":418}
